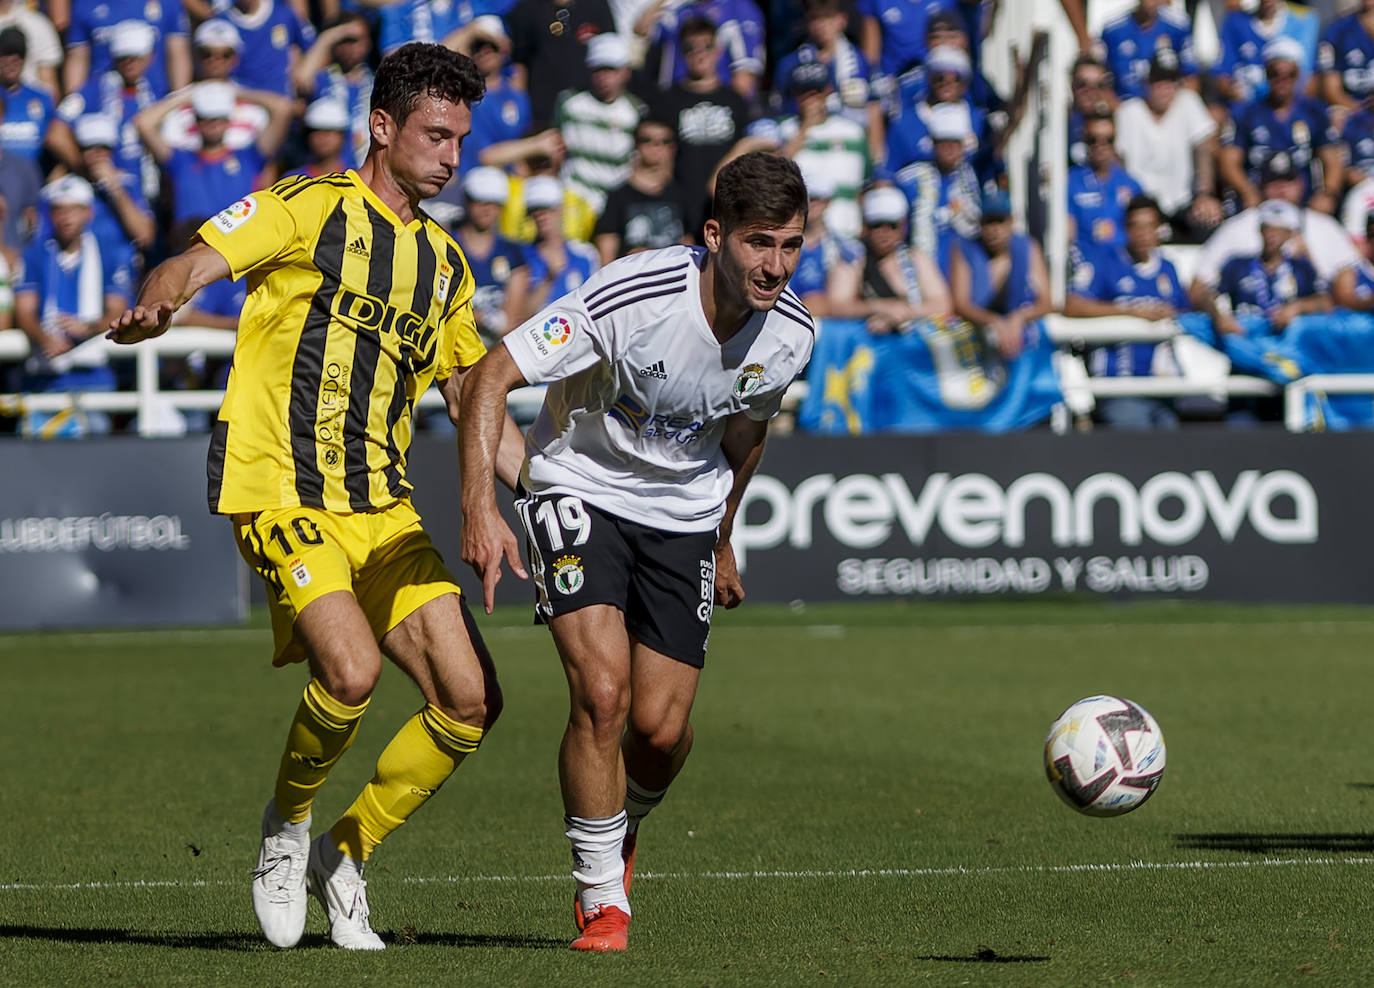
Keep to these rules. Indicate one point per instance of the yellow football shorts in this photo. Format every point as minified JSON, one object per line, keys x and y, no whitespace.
{"x":384,"y":558}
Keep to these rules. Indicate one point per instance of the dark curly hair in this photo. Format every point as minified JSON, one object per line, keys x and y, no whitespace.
{"x":418,"y":69}
{"x":758,"y":187}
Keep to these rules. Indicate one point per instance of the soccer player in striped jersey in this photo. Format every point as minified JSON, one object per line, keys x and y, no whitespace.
{"x":357,"y":301}
{"x":663,"y":368}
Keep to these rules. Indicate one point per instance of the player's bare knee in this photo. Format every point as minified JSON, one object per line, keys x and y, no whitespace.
{"x":476,"y":708}
{"x":605,"y":702}
{"x":351,"y":682}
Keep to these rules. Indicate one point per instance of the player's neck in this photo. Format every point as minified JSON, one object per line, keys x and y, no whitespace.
{"x":724,"y":315}
{"x":386,"y":189}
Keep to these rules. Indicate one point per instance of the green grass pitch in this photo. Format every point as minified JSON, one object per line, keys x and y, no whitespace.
{"x":866,"y":805}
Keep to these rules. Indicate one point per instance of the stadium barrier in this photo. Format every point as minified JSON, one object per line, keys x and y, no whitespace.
{"x":116,"y":531}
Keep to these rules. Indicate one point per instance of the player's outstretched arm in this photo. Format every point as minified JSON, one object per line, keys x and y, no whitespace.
{"x":482,"y":418}
{"x":742,"y":445}
{"x":170,"y":285}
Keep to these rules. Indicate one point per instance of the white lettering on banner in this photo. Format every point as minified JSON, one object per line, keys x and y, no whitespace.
{"x":105,"y":533}
{"x":1032,"y":574}
{"x":973,"y":511}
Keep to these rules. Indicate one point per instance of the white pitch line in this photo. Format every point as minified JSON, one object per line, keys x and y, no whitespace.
{"x":954,"y":871}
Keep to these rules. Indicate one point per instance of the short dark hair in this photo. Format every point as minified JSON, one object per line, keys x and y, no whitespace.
{"x":758,"y":187}
{"x":1143,"y":201}
{"x":418,"y":69}
{"x":13,"y":42}
{"x":655,"y":118}
{"x":695,"y":26}
{"x":823,"y":8}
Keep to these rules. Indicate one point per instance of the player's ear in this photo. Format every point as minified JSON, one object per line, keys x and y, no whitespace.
{"x":382,"y":128}
{"x":712,"y":235}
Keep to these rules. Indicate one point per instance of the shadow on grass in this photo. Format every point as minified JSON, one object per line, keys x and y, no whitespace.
{"x":1255,"y":843}
{"x":251,"y":942}
{"x":985,"y":955}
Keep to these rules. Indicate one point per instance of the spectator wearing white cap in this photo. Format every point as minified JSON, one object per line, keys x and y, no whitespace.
{"x":274,"y":37}
{"x":100,"y":34}
{"x":68,"y":293}
{"x":819,"y":277}
{"x":549,"y":47}
{"x":948,"y":72}
{"x":598,"y":123}
{"x":892,"y":286}
{"x":121,"y":92}
{"x":217,"y":44}
{"x":821,"y":141}
{"x":651,"y":209}
{"x":1273,"y":285}
{"x":120,"y":212}
{"x":335,"y":67}
{"x":557,"y":265}
{"x":944,"y":192}
{"x":1283,"y":121}
{"x":326,"y":139}
{"x":43,"y":48}
{"x":498,"y":264}
{"x":207,"y":179}
{"x":1244,"y":33}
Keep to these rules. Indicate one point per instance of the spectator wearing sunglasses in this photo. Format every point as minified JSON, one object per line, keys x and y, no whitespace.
{"x":1092,"y":94}
{"x":1099,"y":193}
{"x":1283,"y":121}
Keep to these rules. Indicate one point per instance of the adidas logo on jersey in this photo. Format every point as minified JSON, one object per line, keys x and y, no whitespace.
{"x":654,"y":370}
{"x":358,"y":247}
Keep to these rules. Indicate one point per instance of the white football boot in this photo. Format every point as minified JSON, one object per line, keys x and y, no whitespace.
{"x":337,"y":882}
{"x":279,"y":879}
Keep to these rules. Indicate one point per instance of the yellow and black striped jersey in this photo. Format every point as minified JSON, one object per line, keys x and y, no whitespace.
{"x":350,"y":316}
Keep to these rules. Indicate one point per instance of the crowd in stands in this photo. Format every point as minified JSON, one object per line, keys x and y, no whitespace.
{"x":127,"y":123}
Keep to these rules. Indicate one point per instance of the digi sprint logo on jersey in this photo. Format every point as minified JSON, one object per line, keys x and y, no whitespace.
{"x":681,"y":429}
{"x":547,"y":337}
{"x":365,"y":314}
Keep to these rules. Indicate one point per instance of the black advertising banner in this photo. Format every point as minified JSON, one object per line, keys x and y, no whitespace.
{"x":113,"y":532}
{"x":1206,"y":513}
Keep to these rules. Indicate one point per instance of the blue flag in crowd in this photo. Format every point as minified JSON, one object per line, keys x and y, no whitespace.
{"x":939,"y":376}
{"x":1337,"y":342}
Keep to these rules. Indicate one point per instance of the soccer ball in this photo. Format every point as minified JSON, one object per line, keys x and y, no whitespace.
{"x":1104,"y":756}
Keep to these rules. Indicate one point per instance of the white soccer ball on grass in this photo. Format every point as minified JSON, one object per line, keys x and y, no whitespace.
{"x":1104,"y":756}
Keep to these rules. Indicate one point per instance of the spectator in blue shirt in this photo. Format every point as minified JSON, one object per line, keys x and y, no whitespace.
{"x":557,"y":265}
{"x":66,"y":296}
{"x":894,"y":32}
{"x":1283,"y":121}
{"x":1133,"y":39}
{"x":498,"y":265}
{"x":944,"y":192}
{"x":1358,"y":137}
{"x":274,"y":37}
{"x":1091,"y":95}
{"x":26,"y":112}
{"x":946,"y":30}
{"x":326,"y":139}
{"x":121,"y":218}
{"x":1099,"y":193}
{"x":1136,"y":281}
{"x":1272,"y":285}
{"x":1345,"y":58}
{"x":851,"y":94}
{"x":908,"y":138}
{"x":504,"y":112}
{"x":206,"y":180}
{"x":335,"y":67}
{"x":402,"y":21}
{"x":120,"y":93}
{"x":1239,"y":72}
{"x":95,"y":27}
{"x":739,"y":29}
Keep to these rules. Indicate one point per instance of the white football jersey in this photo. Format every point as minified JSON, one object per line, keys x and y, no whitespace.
{"x":639,"y":388}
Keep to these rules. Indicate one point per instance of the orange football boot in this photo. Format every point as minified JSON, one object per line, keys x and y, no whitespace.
{"x":604,"y":928}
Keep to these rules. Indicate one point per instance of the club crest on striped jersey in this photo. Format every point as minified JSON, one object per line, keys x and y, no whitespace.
{"x":445,"y":279}
{"x":749,"y":380}
{"x":231,"y":217}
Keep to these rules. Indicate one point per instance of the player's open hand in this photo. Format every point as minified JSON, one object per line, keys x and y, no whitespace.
{"x":486,"y":541}
{"x":142,"y":322}
{"x":729,"y":589}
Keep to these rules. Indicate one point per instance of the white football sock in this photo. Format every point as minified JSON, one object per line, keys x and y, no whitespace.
{"x":596,"y":860}
{"x":639,"y":801}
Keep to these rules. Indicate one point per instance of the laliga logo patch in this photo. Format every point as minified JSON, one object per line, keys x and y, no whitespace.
{"x":567,"y":574}
{"x":557,"y":330}
{"x":749,"y":380}
{"x":232,"y":217}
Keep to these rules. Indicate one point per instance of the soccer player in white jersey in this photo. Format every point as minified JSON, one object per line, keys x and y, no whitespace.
{"x":663,"y":370}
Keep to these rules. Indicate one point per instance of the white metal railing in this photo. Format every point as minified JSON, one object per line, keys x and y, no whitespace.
{"x":1295,"y":394}
{"x":148,"y":398}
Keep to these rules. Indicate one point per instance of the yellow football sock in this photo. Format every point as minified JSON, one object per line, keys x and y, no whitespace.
{"x":423,"y":754}
{"x":320,"y":733}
